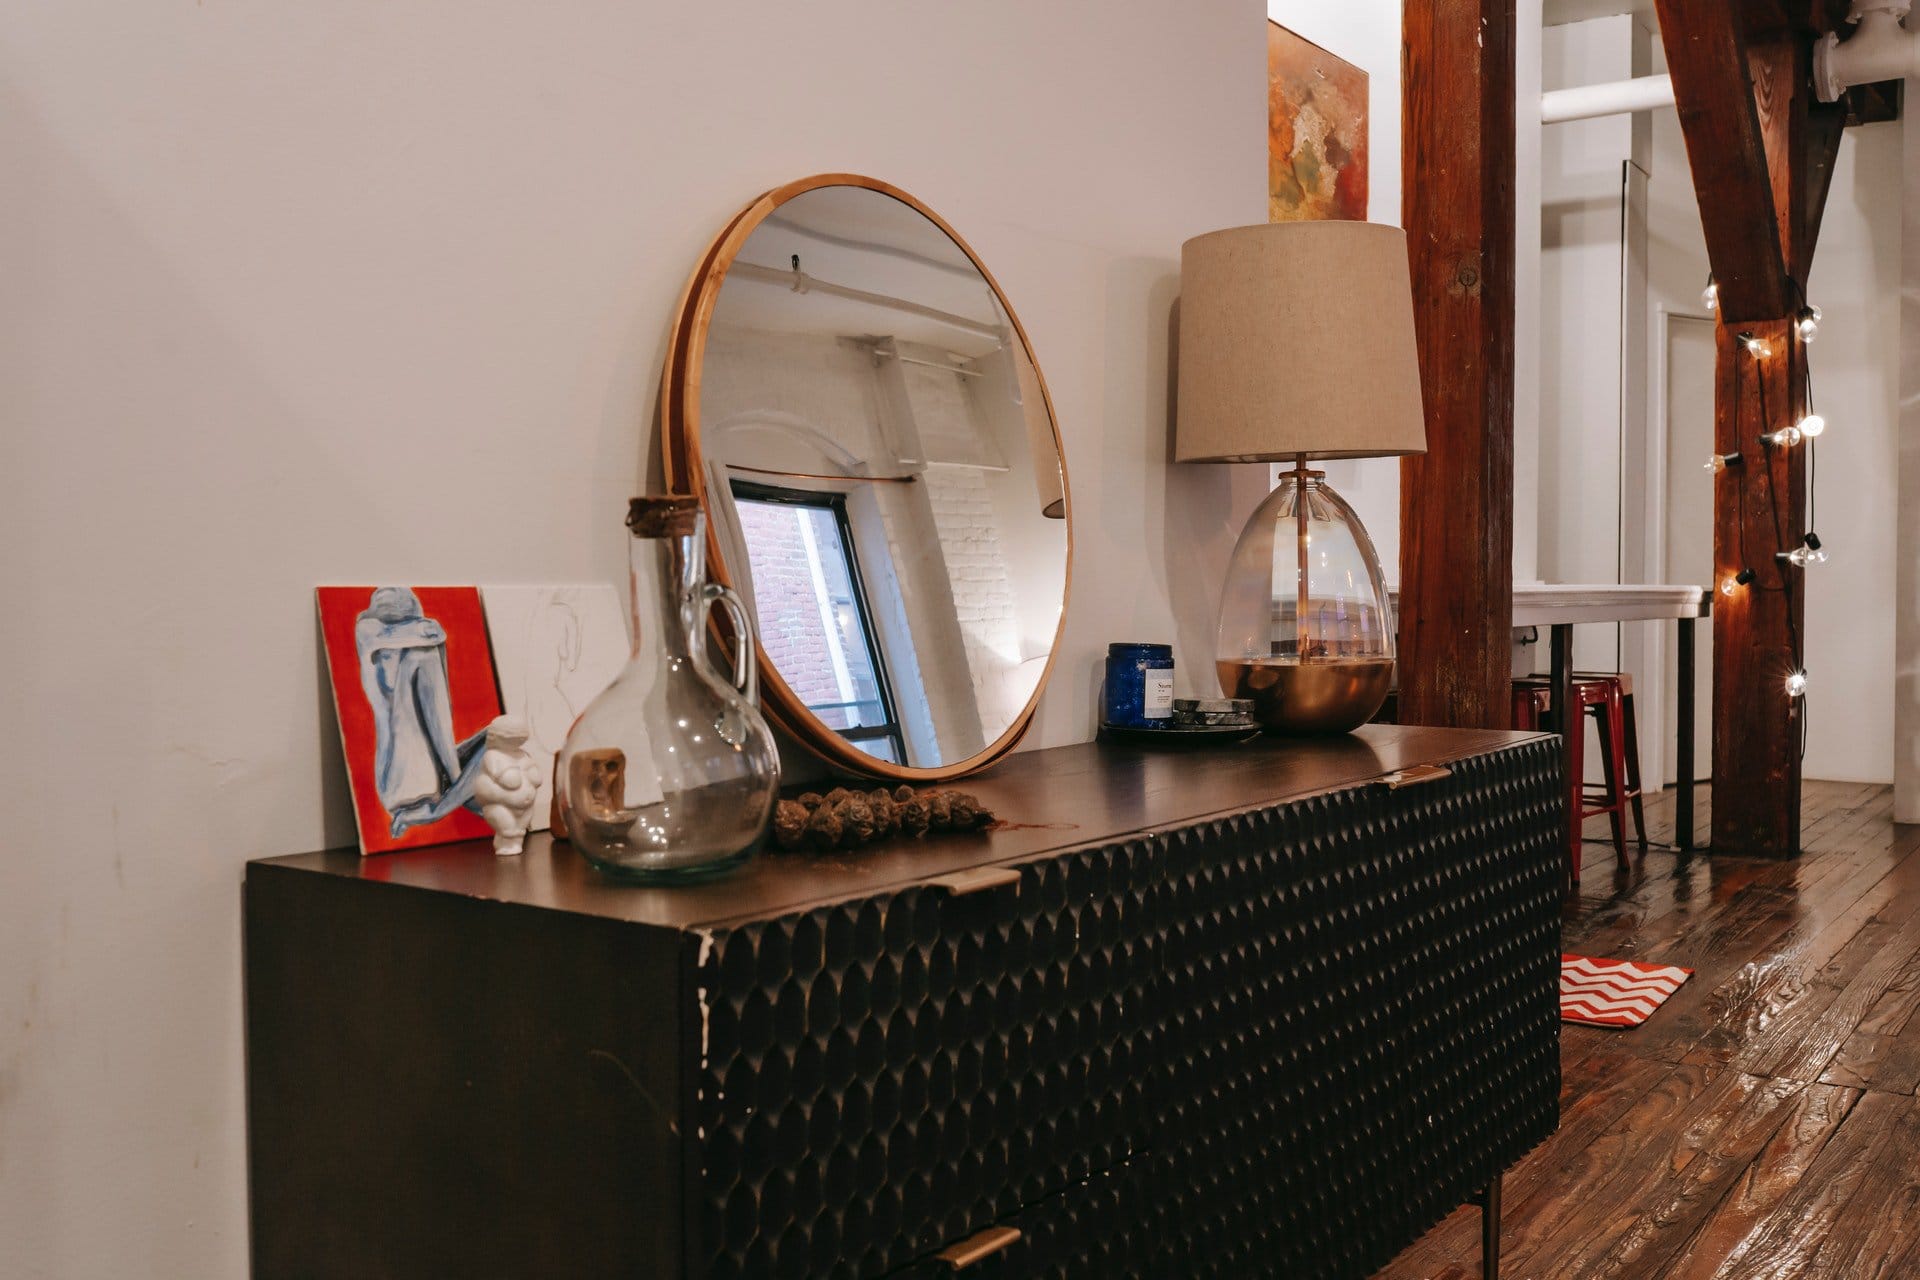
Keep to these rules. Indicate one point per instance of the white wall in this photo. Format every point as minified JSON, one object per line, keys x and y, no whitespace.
{"x":1856,"y":381}
{"x":1906,"y":688}
{"x":1583,"y":319}
{"x":1367,"y":34}
{"x":325,"y":293}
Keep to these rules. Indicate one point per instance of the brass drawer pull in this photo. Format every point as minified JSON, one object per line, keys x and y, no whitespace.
{"x":976,"y":880}
{"x":964,"y":1254}
{"x":1416,"y":775}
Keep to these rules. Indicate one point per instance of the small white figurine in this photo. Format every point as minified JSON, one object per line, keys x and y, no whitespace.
{"x":508,"y":784}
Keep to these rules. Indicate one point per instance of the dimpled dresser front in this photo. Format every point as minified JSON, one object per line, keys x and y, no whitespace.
{"x":1273,"y":1011}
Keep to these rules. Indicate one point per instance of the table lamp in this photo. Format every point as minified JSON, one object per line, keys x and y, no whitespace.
{"x":1297,"y":342}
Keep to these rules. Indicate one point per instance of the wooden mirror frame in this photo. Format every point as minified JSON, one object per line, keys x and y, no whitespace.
{"x":683,"y":466}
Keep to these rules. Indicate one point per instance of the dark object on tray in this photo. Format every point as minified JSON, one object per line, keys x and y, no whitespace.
{"x":1234,"y":711}
{"x":1181,"y":735}
{"x":843,"y":819}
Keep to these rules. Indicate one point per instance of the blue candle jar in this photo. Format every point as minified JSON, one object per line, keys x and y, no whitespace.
{"x":1139,"y":685}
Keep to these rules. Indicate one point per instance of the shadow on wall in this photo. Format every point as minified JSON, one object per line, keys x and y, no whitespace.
{"x":1207,"y":505}
{"x":1188,"y":515}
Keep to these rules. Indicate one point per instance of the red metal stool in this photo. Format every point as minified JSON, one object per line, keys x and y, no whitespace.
{"x":1624,"y":755}
{"x":1599,"y":696}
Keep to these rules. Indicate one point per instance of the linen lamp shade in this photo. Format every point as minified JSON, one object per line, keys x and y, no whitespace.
{"x":1297,"y":338}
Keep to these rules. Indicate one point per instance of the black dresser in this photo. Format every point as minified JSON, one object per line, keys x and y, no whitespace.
{"x":1271,"y":1011}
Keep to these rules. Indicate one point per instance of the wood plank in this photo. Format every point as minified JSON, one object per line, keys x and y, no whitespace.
{"x":1799,"y":1045}
{"x":1820,"y":1228}
{"x":1774,"y":967}
{"x":1817,"y":1112}
{"x":1672,"y":1182}
{"x":1458,"y":157}
{"x":1706,"y":50}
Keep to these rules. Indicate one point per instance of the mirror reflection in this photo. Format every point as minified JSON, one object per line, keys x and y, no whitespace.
{"x":883,"y":477}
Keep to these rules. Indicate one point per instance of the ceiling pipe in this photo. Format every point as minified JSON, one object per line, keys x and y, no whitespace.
{"x":1620,"y":97}
{"x":1881,"y":49}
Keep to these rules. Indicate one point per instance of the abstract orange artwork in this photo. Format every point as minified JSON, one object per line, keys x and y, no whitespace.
{"x":1316,"y":132}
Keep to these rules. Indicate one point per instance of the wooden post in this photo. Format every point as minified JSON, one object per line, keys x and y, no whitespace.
{"x":1762,"y":154}
{"x":1759,"y":508}
{"x":1456,"y":500}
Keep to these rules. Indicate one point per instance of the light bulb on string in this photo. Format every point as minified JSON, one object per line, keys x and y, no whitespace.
{"x":1797,"y":684}
{"x":1808,"y":323}
{"x":1811,"y":425}
{"x":1721,"y":461}
{"x":1756,"y":347}
{"x":1710,"y":296}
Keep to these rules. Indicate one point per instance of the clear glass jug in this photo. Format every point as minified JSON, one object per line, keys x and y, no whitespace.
{"x":671,"y":773}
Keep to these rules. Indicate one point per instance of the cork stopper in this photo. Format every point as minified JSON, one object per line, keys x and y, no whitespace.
{"x":663,"y":515}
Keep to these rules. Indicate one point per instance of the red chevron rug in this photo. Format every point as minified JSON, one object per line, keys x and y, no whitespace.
{"x":1614,"y":993}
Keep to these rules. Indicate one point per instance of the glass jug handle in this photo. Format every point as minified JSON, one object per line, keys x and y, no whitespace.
{"x":746,"y":669}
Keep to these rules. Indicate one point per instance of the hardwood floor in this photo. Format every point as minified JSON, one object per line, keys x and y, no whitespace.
{"x":1763,"y":1123}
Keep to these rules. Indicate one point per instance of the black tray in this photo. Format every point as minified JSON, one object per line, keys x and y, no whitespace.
{"x":1178,"y":736}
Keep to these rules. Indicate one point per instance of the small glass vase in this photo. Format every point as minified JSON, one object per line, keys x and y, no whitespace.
{"x":1306,"y":627}
{"x":671,"y":773}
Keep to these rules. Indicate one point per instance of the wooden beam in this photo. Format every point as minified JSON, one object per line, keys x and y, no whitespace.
{"x":1762,"y":151}
{"x":1820,"y":152}
{"x":1759,"y":508}
{"x":1456,"y":501}
{"x":1874,"y":103}
{"x":1713,"y":91}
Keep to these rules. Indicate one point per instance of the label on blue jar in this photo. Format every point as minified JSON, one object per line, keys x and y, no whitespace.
{"x":1157,"y":693}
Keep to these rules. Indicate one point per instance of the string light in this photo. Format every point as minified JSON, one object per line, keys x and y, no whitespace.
{"x":1808,"y":323}
{"x":1721,"y":461}
{"x":1812,"y":425}
{"x":1710,"y":296}
{"x":1797,"y":684}
{"x":1756,"y":347}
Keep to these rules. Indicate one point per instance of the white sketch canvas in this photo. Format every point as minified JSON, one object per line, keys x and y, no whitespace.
{"x":555,"y":649}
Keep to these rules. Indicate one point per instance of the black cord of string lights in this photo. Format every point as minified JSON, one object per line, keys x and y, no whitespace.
{"x":1813,"y":462}
{"x":1780,"y":541}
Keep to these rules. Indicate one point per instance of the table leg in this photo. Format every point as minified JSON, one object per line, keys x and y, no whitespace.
{"x":1490,"y":1230}
{"x":1683,"y":750}
{"x":1567,"y":717}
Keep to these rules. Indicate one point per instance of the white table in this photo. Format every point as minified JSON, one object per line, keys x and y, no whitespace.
{"x":1560,"y":605}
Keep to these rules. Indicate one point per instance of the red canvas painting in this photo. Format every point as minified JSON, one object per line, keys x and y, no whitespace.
{"x":414,"y":690}
{"x":1316,"y":132}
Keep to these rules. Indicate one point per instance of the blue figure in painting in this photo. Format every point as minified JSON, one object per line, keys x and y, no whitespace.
{"x":421,"y":773}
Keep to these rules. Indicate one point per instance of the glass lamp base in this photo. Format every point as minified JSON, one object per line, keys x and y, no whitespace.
{"x":1319,"y":695}
{"x":1306,"y":627}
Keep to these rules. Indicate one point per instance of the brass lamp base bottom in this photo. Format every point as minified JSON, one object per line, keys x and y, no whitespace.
{"x":1318,"y":696}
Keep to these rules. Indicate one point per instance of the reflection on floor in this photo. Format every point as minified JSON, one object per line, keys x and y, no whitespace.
{"x":1763,"y":1123}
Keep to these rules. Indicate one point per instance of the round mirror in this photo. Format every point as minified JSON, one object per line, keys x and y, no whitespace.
{"x":856,"y":405}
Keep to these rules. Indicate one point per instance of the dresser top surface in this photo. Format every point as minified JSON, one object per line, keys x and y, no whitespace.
{"x":1046,"y":801}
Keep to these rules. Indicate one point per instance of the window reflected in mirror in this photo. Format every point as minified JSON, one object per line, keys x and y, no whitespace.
{"x":883,"y":477}
{"x":816,"y":620}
